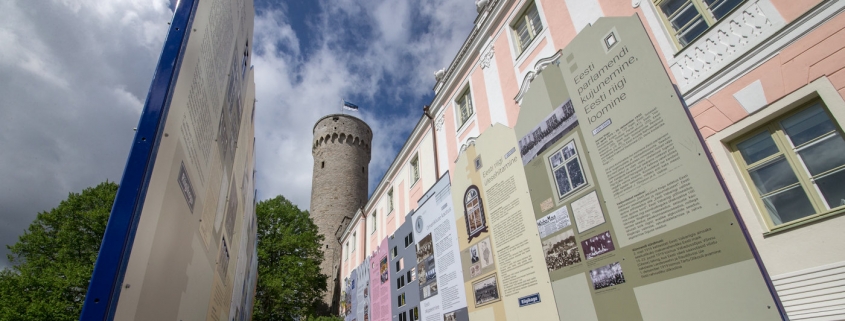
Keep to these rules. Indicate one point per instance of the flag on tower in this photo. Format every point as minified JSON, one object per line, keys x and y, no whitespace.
{"x":349,"y":106}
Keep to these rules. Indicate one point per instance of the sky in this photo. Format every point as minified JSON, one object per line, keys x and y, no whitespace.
{"x":74,"y":75}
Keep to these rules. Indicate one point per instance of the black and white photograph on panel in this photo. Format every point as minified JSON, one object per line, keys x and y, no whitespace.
{"x":561,"y":250}
{"x":548,"y":132}
{"x":566,"y":169}
{"x":485,"y":291}
{"x":607,"y":276}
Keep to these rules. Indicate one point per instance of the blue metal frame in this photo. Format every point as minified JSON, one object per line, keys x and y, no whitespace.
{"x":104,"y":288}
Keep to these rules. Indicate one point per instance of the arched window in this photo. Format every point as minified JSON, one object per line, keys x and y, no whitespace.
{"x":474,"y":212}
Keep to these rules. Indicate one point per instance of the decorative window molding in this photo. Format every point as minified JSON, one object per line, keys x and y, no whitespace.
{"x":733,"y":36}
{"x":438,"y":124}
{"x":487,"y":58}
{"x":538,"y":68}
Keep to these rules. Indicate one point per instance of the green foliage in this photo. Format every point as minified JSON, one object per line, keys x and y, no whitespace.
{"x":54,"y":258}
{"x":289,"y":281}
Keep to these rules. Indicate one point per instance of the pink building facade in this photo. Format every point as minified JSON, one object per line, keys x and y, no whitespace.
{"x":763,"y":79}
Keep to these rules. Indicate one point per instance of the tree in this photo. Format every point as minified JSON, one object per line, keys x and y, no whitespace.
{"x":54,"y":258}
{"x":290,"y":284}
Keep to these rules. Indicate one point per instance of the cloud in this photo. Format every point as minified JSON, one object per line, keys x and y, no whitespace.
{"x":381,"y":54}
{"x":74,"y":76}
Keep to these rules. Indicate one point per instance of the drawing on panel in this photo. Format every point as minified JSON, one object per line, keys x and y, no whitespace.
{"x":486,"y":252}
{"x":474,"y":212}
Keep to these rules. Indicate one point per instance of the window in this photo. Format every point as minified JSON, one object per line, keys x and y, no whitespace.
{"x":527,"y":27}
{"x":390,"y":201}
{"x":464,"y":107}
{"x":400,"y":282}
{"x":346,"y":251}
{"x":375,"y":221}
{"x":353,"y":242}
{"x":409,"y":239}
{"x":394,"y":253}
{"x":796,"y":165}
{"x":415,"y":314}
{"x":688,"y":19}
{"x":400,"y":264}
{"x":566,"y":169}
{"x":401,"y":299}
{"x":415,"y":169}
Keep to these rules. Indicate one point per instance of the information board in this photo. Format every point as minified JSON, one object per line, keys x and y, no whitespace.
{"x":177,"y":245}
{"x":439,"y":269}
{"x":633,"y":220}
{"x":380,"y":284}
{"x":501,"y":253}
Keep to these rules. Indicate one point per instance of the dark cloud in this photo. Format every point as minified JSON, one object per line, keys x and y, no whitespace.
{"x":74,"y":76}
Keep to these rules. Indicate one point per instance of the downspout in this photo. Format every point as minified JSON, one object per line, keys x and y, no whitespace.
{"x":426,"y":112}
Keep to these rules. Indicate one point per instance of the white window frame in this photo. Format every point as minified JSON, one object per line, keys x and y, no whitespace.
{"x":519,"y":57}
{"x":720,"y":143}
{"x":354,"y":235}
{"x":374,"y":218}
{"x":390,"y":201}
{"x":520,"y":17}
{"x":414,"y":168}
{"x":702,"y":11}
{"x":465,"y":92}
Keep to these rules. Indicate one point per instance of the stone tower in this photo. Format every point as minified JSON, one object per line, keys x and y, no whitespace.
{"x":341,"y":150}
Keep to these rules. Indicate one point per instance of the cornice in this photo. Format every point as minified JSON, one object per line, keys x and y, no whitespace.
{"x":482,"y":22}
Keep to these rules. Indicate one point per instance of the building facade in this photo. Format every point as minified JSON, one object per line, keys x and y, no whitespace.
{"x":762,"y":79}
{"x":341,"y":151}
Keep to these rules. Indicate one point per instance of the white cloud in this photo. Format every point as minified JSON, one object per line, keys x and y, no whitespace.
{"x":390,"y":63}
{"x":74,"y":75}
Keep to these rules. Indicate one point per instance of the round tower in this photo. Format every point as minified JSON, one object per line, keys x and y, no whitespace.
{"x":341,"y":149}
